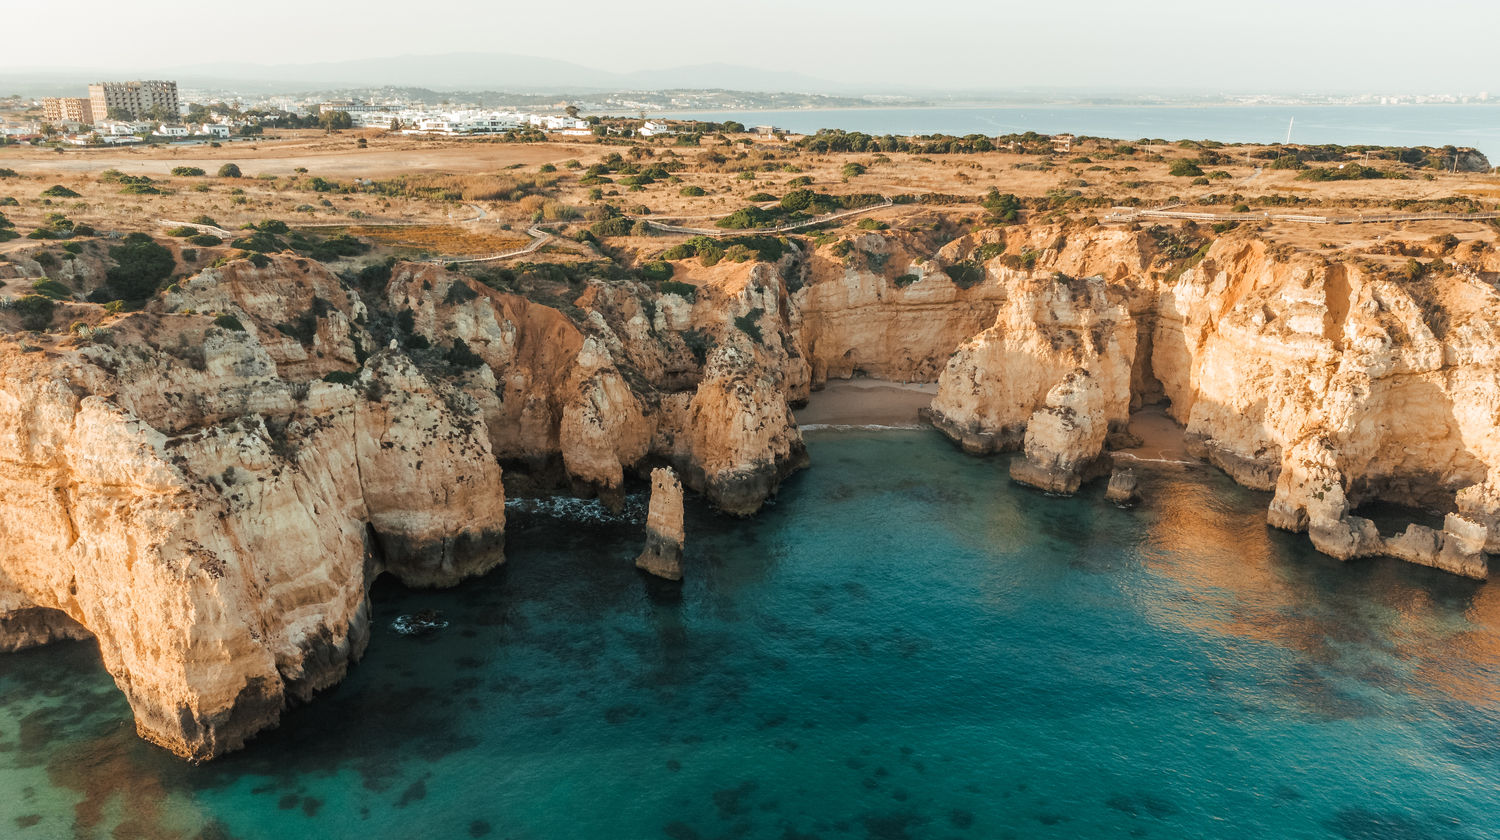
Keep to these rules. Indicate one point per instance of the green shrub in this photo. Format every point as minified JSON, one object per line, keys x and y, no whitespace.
{"x":189,"y":255}
{"x":229,"y":170}
{"x":761,"y":198}
{"x":187,"y":171}
{"x":709,"y":254}
{"x":1288,"y":162}
{"x":747,"y":218}
{"x":906,"y":280}
{"x":341,"y":377}
{"x":616,"y":226}
{"x":686,"y":291}
{"x":72,"y":248}
{"x":140,"y":267}
{"x":659,"y":271}
{"x":52,"y":289}
{"x":693,"y":191}
{"x":182,"y":231}
{"x":853,"y":170}
{"x":749,"y":323}
{"x":1345,"y":172}
{"x":871,"y":224}
{"x":259,"y":241}
{"x":1184,"y":168}
{"x":205,"y":240}
{"x":260,"y":260}
{"x":229,"y":322}
{"x":59,"y":191}
{"x":460,"y":356}
{"x":377,"y":274}
{"x":966,"y":274}
{"x":35,"y":311}
{"x":8,"y":173}
{"x":1001,"y":207}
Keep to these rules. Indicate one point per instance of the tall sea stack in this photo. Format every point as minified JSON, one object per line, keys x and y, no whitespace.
{"x":663,"y":554}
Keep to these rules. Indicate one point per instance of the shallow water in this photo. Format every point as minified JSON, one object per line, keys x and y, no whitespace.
{"x":904,"y":645}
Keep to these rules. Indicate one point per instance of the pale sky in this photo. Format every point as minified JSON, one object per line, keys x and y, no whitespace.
{"x":1293,"y":45}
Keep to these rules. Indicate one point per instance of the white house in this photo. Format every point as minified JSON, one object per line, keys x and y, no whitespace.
{"x":655,"y":129}
{"x":214,"y":130}
{"x":166,"y":130}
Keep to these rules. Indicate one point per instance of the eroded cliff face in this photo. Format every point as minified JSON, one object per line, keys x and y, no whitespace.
{"x":589,"y":403}
{"x":209,"y":486}
{"x":1335,"y":383}
{"x":1331,"y":382}
{"x":1050,"y":325}
{"x":214,"y":518}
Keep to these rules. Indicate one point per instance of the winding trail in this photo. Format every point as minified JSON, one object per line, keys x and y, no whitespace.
{"x":538,"y":236}
{"x":720,"y":232}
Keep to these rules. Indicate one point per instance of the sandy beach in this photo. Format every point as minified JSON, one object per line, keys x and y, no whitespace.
{"x":1161,"y":438}
{"x":866,"y":402}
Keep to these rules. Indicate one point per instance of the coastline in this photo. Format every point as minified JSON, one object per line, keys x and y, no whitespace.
{"x":865,"y":402}
{"x":1163,"y":441}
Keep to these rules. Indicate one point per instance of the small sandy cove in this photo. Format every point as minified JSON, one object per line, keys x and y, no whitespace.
{"x":866,"y":402}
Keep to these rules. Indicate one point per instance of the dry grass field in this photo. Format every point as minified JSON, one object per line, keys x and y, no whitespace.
{"x":364,"y":183}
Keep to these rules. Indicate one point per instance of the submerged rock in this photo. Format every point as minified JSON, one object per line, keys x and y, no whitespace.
{"x":663,"y":553}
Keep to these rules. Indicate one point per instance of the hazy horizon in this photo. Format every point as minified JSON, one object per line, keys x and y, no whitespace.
{"x":877,"y":44}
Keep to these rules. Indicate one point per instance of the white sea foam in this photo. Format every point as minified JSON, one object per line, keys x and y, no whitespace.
{"x":581,"y":510}
{"x":1157,"y":460}
{"x":860,"y":427}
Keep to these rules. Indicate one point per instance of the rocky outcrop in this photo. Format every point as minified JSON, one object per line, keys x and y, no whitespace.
{"x":213,"y":521}
{"x":1123,"y":487}
{"x":664,"y":534}
{"x":887,"y":310}
{"x":1049,"y":326}
{"x":1065,"y":437}
{"x":1331,"y":382}
{"x":1335,"y":383}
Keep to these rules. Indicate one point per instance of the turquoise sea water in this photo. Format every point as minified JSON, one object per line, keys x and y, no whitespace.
{"x":1351,"y":125}
{"x":905,"y":645}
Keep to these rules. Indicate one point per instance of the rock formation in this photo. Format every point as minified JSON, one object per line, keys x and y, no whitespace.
{"x":182,"y":491}
{"x":664,"y":535}
{"x":1065,"y":437}
{"x":1122,"y":488}
{"x":1049,"y":326}
{"x":208,"y":486}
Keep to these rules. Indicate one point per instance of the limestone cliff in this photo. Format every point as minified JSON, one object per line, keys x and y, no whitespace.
{"x":213,"y":519}
{"x":1331,"y":382}
{"x":1334,"y":383}
{"x":1049,"y":326}
{"x":209,"y":485}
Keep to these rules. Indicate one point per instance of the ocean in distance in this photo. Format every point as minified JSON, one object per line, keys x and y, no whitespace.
{"x":1378,"y":125}
{"x":904,"y":645}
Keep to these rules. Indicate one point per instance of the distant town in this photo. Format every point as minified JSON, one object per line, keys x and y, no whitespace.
{"x":146,"y":111}
{"x":116,"y":113}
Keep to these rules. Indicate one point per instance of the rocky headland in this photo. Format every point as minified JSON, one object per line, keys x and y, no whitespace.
{"x":209,"y":485}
